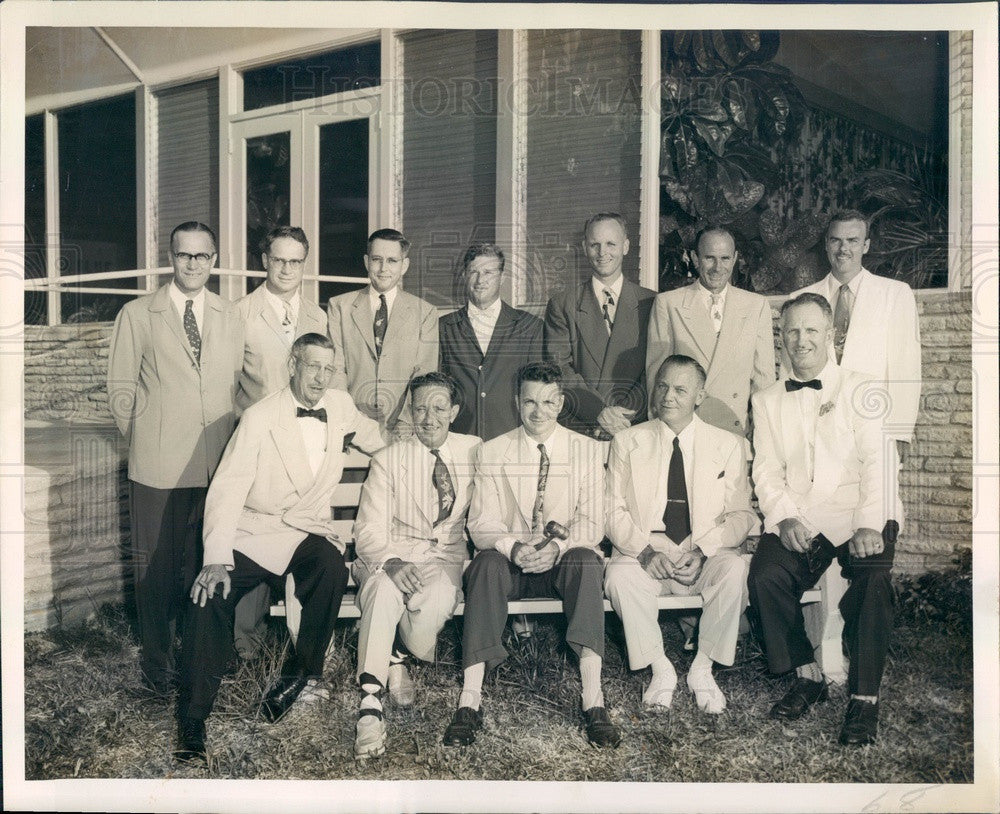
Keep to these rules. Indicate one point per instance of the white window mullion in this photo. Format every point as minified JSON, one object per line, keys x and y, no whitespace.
{"x":512,"y":141}
{"x":53,"y":247}
{"x":232,"y":197}
{"x":146,"y":184}
{"x":649,"y":187}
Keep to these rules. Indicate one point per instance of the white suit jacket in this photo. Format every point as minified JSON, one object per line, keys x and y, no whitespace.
{"x":265,"y":498}
{"x":395,"y":518}
{"x":851,"y":486}
{"x":739,"y":363}
{"x":266,"y":350}
{"x":883,"y":342}
{"x":721,"y":515}
{"x":506,"y":482}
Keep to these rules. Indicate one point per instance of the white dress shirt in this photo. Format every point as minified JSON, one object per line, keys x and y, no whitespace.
{"x":313,"y":434}
{"x":179,"y":299}
{"x":616,"y":291}
{"x":390,"y":298}
{"x":721,"y":310}
{"x":484,"y":321}
{"x":833,"y":289}
{"x":278,"y":306}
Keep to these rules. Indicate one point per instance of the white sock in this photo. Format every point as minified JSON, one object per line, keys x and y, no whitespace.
{"x":590,"y":677}
{"x":662,"y":667}
{"x":810,"y":671}
{"x":472,"y":686}
{"x":701,"y":662}
{"x":873,"y":699}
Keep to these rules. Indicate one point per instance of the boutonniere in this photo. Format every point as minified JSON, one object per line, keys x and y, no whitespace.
{"x":825,"y":407}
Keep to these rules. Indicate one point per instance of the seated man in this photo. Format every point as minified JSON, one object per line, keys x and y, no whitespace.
{"x":267,"y":514}
{"x":680,"y":509}
{"x":411,"y":547}
{"x":821,"y":477}
{"x":537,"y":473}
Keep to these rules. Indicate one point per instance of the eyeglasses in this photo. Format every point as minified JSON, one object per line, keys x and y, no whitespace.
{"x":313,"y":369}
{"x":281,"y":262}
{"x":200,"y":259}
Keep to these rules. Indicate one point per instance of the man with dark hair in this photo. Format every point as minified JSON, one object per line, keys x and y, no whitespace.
{"x":268,"y":515}
{"x":680,"y":509}
{"x":411,"y":549}
{"x":526,"y":478}
{"x":596,"y":332}
{"x":820,"y":473}
{"x":382,"y":335}
{"x":173,"y":364}
{"x":727,"y":330}
{"x":483,"y":345}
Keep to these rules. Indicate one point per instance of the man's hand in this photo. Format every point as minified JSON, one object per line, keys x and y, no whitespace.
{"x":404,"y":575}
{"x":865,"y":543}
{"x":615,"y":419}
{"x":204,"y":584}
{"x":688,"y":569}
{"x":536,"y":562}
{"x":657,"y":565}
{"x":794,"y":535}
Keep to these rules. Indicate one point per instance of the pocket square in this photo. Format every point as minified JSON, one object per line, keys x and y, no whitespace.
{"x":721,"y":474}
{"x":348,"y":441}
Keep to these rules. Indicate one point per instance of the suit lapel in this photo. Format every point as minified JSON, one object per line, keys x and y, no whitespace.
{"x":698,"y":322}
{"x":270,"y":318}
{"x":288,"y":441}
{"x":733,"y":322}
{"x":467,"y":332}
{"x":644,"y":464}
{"x":361,"y":313}
{"x":828,"y":451}
{"x":163,"y":305}
{"x":415,"y":478}
{"x":794,"y":443}
{"x":869,"y":309}
{"x":590,"y":321}
{"x":501,"y":330}
{"x":311,"y":322}
{"x":397,"y":332}
{"x":625,"y":328}
{"x":705,"y":487}
{"x":519,"y":480}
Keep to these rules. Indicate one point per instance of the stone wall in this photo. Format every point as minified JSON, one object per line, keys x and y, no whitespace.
{"x":65,"y":368}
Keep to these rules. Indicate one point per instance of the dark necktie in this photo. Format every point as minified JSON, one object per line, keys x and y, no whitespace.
{"x":676,"y":518}
{"x":302,"y":412}
{"x":381,"y":323}
{"x":609,"y":304}
{"x":791,"y":385}
{"x":537,"y":513}
{"x":842,"y":319}
{"x":191,"y":329}
{"x":445,"y":489}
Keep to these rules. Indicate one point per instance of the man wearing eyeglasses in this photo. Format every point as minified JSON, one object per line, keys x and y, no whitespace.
{"x":268,"y":515}
{"x":173,"y":366}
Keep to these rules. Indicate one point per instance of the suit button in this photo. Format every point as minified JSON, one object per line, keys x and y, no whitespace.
{"x":482,"y":395}
{"x":735,"y":395}
{"x":480,"y":367}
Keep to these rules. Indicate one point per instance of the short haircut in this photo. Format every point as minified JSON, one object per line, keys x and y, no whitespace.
{"x":845,"y":215}
{"x":482,"y":250}
{"x":194,"y":226}
{"x":680,"y":360}
{"x":310,"y":340}
{"x":437,"y":379}
{"x":710,"y":230}
{"x":544,"y":372}
{"x":804,"y":299}
{"x":602,"y":216}
{"x":294,"y":232}
{"x":389,"y":234}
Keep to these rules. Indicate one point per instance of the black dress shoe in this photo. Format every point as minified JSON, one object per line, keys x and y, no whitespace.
{"x":860,"y":723}
{"x":800,"y":696}
{"x":600,"y":730}
{"x":463,"y":727}
{"x":190,"y":741}
{"x":281,"y":697}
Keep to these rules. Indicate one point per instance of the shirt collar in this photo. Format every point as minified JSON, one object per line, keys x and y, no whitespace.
{"x":616,"y":288}
{"x":824,"y":376}
{"x":708,"y":294}
{"x":834,"y":287}
{"x":491,"y":313}
{"x":180,"y":298}
{"x":686,"y":435}
{"x":299,"y":404}
{"x":390,"y":297}
{"x":278,"y":303}
{"x":531,"y":443}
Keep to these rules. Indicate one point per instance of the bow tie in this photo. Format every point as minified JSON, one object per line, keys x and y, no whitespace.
{"x":302,"y":412}
{"x":791,"y":385}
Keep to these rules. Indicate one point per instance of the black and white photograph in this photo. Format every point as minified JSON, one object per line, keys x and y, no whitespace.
{"x":499,"y":407}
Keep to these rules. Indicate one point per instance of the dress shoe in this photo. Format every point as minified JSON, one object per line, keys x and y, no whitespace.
{"x":463,"y":727}
{"x":860,"y":723}
{"x":401,"y":689}
{"x":707,"y":694}
{"x":600,"y":730}
{"x":190,"y":741}
{"x":281,"y":697}
{"x":369,"y":737}
{"x":800,"y":696}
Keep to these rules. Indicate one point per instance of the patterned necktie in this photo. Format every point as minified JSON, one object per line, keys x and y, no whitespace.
{"x":286,"y":324}
{"x":445,"y":489}
{"x":609,"y":310}
{"x":381,"y":323}
{"x":676,"y":519}
{"x":842,"y":319}
{"x":537,"y":513}
{"x":191,"y":329}
{"x":716,"y":311}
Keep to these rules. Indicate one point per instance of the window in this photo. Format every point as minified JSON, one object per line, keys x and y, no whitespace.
{"x":34,"y":217}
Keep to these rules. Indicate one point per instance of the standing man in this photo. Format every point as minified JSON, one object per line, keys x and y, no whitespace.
{"x":173,"y":365}
{"x":268,"y":515}
{"x":382,"y":335}
{"x":596,"y":332}
{"x":820,"y":472}
{"x":411,"y":548}
{"x":728,"y":331}
{"x":680,"y":510}
{"x":875,"y":327}
{"x":538,"y":473}
{"x":484,"y":344}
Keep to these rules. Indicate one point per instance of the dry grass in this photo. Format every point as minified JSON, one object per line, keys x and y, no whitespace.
{"x":86,"y":717}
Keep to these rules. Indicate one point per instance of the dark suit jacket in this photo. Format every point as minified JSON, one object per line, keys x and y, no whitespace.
{"x":599,"y":371}
{"x":487,"y":381}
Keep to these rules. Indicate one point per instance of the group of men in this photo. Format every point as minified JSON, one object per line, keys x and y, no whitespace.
{"x":488,"y":425}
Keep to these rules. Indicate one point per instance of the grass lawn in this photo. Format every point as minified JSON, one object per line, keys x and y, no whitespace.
{"x":86,"y":716}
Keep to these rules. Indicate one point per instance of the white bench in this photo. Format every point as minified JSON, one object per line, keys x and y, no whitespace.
{"x":823,"y":621}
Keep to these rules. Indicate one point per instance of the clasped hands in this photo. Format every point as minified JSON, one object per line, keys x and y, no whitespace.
{"x":796,"y":537}
{"x":659,"y":566}
{"x":530,"y":561}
